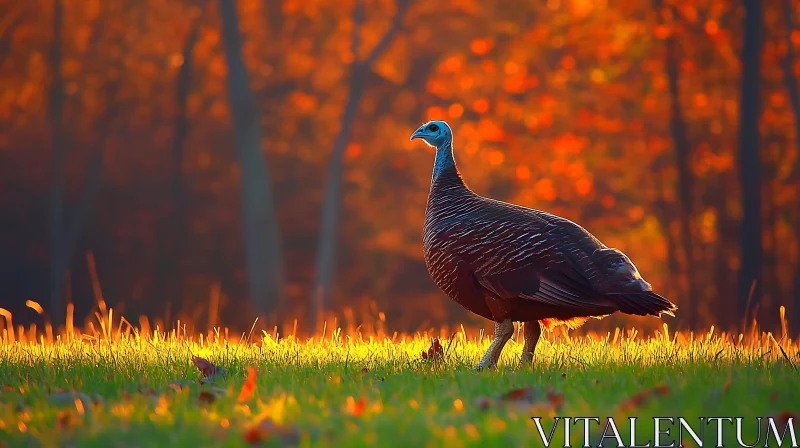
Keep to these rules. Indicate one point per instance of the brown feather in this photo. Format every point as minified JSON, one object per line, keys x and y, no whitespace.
{"x":504,"y":261}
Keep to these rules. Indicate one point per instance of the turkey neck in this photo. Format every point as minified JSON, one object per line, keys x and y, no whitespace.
{"x":444,"y":160}
{"x":446,"y":179}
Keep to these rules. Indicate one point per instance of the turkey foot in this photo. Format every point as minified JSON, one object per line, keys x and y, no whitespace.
{"x":531,"y":333}
{"x":502,"y":333}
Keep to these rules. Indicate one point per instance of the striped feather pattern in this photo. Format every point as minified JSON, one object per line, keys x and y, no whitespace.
{"x":501,"y":260}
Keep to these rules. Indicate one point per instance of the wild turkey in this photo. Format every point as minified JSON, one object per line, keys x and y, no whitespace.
{"x":511,"y":263}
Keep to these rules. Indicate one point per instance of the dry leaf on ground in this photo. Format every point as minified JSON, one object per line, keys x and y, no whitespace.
{"x":266,"y":430}
{"x":525,"y":398}
{"x":639,"y":399}
{"x":207,"y":369}
{"x":249,"y":386}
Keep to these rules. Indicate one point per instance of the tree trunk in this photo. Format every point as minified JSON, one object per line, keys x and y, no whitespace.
{"x":65,"y":233}
{"x":59,"y":260}
{"x":168,"y":254}
{"x":726,"y":317}
{"x":749,"y":159}
{"x":330,"y":208}
{"x":663,"y":214}
{"x":260,"y":224}
{"x":796,"y":312}
{"x":685,"y":178}
{"x":326,"y":248}
{"x":794,"y":177}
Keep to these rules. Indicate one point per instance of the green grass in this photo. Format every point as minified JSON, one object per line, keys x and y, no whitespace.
{"x":136,"y":391}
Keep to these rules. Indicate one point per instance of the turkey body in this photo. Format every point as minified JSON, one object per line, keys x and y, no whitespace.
{"x":507,"y":262}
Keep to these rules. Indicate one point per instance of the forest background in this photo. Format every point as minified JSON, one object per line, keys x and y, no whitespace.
{"x":217,"y":160}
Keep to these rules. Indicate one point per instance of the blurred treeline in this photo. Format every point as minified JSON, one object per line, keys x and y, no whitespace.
{"x":255,"y":154}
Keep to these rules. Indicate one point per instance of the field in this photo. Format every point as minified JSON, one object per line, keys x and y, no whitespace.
{"x":132,"y":389}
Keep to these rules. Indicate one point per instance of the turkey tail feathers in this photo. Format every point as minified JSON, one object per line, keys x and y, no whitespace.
{"x":644,"y":304}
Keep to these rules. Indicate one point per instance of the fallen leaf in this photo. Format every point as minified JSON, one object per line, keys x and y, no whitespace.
{"x":146,"y":392}
{"x":523,"y":399}
{"x":640,"y":398}
{"x":359,"y":407}
{"x":727,"y":385}
{"x":205,"y":366}
{"x":353,"y":407}
{"x":525,"y":393}
{"x":783,"y":418}
{"x":74,"y":400}
{"x":266,"y":429}
{"x":556,"y":399}
{"x":249,"y":386}
{"x":65,"y":419}
{"x":661,"y":389}
{"x":435,"y":353}
{"x":206,"y":397}
{"x":483,"y":403}
{"x":635,"y":401}
{"x":209,"y":371}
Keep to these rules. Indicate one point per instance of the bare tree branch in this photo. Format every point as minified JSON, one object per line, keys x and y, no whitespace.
{"x":397,"y":23}
{"x":14,"y":20}
{"x":358,"y":22}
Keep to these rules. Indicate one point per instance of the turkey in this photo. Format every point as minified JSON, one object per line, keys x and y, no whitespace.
{"x":510,"y":263}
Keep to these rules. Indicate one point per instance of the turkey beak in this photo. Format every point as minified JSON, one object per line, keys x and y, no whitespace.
{"x":419,"y":133}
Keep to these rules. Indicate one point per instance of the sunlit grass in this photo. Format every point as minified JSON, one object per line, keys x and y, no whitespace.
{"x":116,"y":385}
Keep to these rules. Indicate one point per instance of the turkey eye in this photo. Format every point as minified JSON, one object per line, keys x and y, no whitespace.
{"x":433,"y":128}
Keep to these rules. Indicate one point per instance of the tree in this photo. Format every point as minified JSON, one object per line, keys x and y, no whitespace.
{"x":65,"y":234}
{"x":684,"y":186}
{"x":794,"y":99}
{"x":331,"y":206}
{"x":171,"y":235}
{"x":749,"y":158}
{"x":261,"y":232}
{"x":59,"y":258}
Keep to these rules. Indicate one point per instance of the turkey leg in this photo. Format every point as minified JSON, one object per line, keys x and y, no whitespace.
{"x":531,"y":333}
{"x":502,"y":333}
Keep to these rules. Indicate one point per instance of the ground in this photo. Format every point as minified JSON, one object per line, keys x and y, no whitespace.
{"x":135,"y":391}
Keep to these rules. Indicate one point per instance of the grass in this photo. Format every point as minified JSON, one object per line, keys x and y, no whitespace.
{"x":129,"y":389}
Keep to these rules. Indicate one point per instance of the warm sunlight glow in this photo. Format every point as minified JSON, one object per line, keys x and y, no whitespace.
{"x":455,"y":110}
{"x":711,"y":27}
{"x":481,"y":106}
{"x":481,"y":46}
{"x":496,"y":158}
